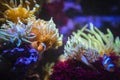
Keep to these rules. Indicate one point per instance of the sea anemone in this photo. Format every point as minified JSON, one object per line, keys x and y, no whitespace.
{"x":15,"y":11}
{"x":94,"y":39}
{"x":77,"y":46}
{"x":89,"y":55}
{"x":16,"y":33}
{"x":46,"y":35}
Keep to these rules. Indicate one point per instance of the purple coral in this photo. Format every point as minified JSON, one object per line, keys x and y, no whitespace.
{"x":21,"y":57}
{"x":76,"y":70}
{"x":73,"y":70}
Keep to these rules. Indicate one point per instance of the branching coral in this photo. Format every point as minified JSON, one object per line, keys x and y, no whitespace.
{"x":16,"y":33}
{"x":46,"y":33}
{"x":15,"y":11}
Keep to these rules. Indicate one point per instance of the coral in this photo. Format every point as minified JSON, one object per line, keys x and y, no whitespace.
{"x":76,"y":70}
{"x":22,"y":55}
{"x":46,"y":34}
{"x":15,"y":11}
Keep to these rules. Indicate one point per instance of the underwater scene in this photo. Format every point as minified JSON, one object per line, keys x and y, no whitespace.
{"x":59,"y":40}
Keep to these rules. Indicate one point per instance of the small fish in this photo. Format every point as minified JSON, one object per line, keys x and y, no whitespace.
{"x":107,"y":63}
{"x":41,"y":47}
{"x":84,"y":60}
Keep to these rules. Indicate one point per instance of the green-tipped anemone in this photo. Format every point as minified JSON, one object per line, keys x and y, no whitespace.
{"x":91,"y":41}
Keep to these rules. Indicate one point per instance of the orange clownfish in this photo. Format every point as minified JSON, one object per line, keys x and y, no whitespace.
{"x":41,"y":47}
